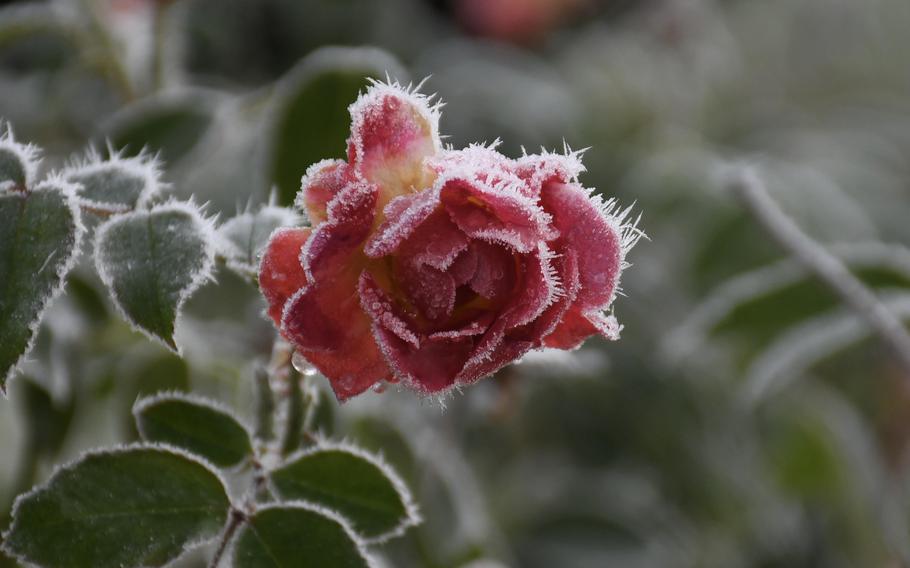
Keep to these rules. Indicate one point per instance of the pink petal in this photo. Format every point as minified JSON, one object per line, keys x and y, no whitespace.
{"x":593,"y":235}
{"x":280,"y":272}
{"x":321,"y":183}
{"x":430,"y":290}
{"x":430,"y":368}
{"x":538,"y":170}
{"x":403,"y":215}
{"x":436,"y":242}
{"x":495,"y":214}
{"x":576,"y":326}
{"x":350,"y":216}
{"x":383,"y":311}
{"x":392,"y":131}
{"x":494,"y":270}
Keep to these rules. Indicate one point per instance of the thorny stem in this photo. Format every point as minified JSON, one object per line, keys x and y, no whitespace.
{"x":236,"y":519}
{"x":751,"y":190}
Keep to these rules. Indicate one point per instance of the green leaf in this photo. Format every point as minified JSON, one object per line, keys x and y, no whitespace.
{"x":134,"y":506}
{"x":195,"y":424}
{"x":297,"y":535}
{"x":353,"y":482}
{"x":312,"y":120}
{"x":152,"y":261}
{"x":115,"y":185}
{"x":243,"y":237}
{"x":171,"y":126}
{"x":40,"y":231}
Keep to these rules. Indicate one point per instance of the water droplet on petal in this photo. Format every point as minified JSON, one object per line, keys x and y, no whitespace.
{"x":379,"y":387}
{"x":302,"y":365}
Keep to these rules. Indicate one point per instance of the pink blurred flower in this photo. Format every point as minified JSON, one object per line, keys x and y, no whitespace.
{"x":436,"y":267}
{"x":516,"y":21}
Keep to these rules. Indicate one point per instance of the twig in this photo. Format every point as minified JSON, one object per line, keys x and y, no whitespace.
{"x":236,"y":519}
{"x":750,"y":188}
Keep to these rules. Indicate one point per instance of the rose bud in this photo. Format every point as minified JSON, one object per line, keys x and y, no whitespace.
{"x":436,"y":267}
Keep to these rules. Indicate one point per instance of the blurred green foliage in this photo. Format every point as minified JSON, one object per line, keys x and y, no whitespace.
{"x":745,"y":419}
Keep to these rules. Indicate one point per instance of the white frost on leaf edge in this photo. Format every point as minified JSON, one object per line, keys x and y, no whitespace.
{"x":145,"y":167}
{"x":29,"y":155}
{"x":412,"y":516}
{"x":52,"y":183}
{"x":359,"y":543}
{"x":144,"y":402}
{"x":112,"y":450}
{"x":207,"y":230}
{"x":286,"y":217}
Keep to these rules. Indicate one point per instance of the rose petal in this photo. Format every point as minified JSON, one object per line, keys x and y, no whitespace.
{"x":576,"y":326}
{"x":280,"y":271}
{"x":392,"y":131}
{"x":430,"y":368}
{"x":436,"y":242}
{"x":321,"y":183}
{"x":350,"y":216}
{"x":495,"y":214}
{"x":494,"y":273}
{"x":430,"y":290}
{"x":538,"y":170}
{"x":584,"y":228}
{"x":383,"y":311}
{"x":403,"y":215}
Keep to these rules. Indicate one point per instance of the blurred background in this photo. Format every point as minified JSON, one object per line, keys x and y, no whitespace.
{"x":745,"y":418}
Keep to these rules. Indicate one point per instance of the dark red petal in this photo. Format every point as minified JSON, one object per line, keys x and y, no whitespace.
{"x":403,"y":215}
{"x":436,"y":242}
{"x":495,"y":214}
{"x":430,"y":368}
{"x":383,"y":311}
{"x":431,"y":291}
{"x":494,"y":273}
{"x":280,"y":272}
{"x":585,"y":229}
{"x":322,"y":182}
{"x":349,"y":374}
{"x":332,"y":244}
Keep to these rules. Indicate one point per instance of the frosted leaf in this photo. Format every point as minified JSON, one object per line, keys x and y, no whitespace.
{"x":358,"y":485}
{"x":40,"y":235}
{"x":117,"y":184}
{"x":152,"y":261}
{"x":243,"y":238}
{"x":139,"y":505}
{"x":18,"y":162}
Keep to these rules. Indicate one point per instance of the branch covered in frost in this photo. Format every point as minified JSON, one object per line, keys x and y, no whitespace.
{"x":751,"y":190}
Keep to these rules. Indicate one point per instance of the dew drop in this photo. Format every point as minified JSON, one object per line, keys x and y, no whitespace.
{"x":379,"y":387}
{"x":302,"y":365}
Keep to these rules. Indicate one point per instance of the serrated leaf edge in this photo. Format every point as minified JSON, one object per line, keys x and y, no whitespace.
{"x":145,"y":166}
{"x":29,"y":154}
{"x":68,"y":190}
{"x":230,"y":251}
{"x":143,"y":403}
{"x":412,"y":511}
{"x":206,"y":226}
{"x":359,"y":542}
{"x":119,"y":449}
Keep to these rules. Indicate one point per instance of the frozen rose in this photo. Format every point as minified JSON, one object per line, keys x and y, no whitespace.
{"x":436,"y":267}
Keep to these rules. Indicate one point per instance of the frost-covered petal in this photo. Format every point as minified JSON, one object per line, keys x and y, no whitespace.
{"x":430,"y":290}
{"x":495,"y":214}
{"x":321,"y":183}
{"x":383,"y":311}
{"x":538,"y":170}
{"x":392,"y":131}
{"x":437,"y":242}
{"x":494,"y":270}
{"x":430,"y":368}
{"x":402,"y":217}
{"x":280,"y":273}
{"x":593,"y":235}
{"x":338,"y":242}
{"x":576,"y":326}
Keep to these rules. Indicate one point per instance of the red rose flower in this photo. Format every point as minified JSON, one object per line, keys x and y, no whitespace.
{"x":437,"y":267}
